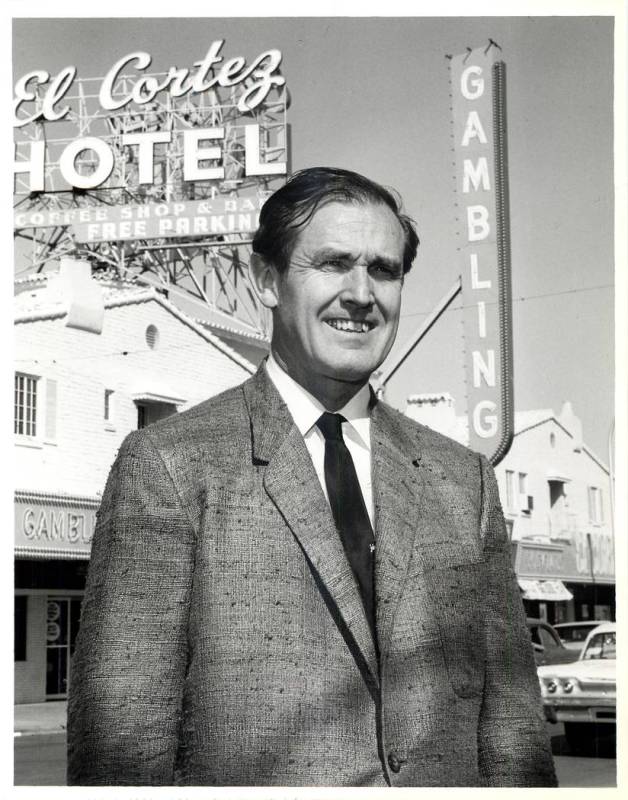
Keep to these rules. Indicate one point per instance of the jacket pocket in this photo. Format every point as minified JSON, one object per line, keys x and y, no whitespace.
{"x":457,"y":595}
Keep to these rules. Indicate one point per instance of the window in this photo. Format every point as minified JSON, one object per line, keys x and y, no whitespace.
{"x":108,"y":409}
{"x":547,"y":640}
{"x":601,"y":645}
{"x":152,"y":337}
{"x":517,"y":499}
{"x":596,"y":510}
{"x":152,"y":411}
{"x":543,"y":636}
{"x":556,"y":494}
{"x":19,"y":641}
{"x":523,"y":482}
{"x":25,"y":405}
{"x":525,"y":501}
{"x":510,"y":490}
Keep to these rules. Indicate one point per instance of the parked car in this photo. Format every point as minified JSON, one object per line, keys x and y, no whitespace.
{"x":573,"y":634}
{"x":548,"y":648}
{"x":582,"y":695}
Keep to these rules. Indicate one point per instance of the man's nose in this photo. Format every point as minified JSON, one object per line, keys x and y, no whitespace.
{"x":358,"y":286}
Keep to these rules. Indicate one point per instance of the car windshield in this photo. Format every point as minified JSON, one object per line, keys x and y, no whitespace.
{"x":601,"y":645}
{"x":575,"y":634}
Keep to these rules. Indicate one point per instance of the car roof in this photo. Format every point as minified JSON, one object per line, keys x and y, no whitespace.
{"x":580,"y":623}
{"x":605,"y":627}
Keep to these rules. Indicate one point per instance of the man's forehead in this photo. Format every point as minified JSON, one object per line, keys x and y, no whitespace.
{"x":337,"y":221}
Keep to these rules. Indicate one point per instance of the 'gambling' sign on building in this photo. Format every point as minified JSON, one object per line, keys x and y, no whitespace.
{"x":479,"y":132}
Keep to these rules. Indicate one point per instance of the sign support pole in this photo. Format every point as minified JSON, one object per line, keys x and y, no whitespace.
{"x":442,"y":305}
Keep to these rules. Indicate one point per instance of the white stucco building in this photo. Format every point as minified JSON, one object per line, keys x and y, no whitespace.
{"x":94,"y":359}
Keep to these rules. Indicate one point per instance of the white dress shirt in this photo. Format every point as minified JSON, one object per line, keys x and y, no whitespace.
{"x":356,"y":431}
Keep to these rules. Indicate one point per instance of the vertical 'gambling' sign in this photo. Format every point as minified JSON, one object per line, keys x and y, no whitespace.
{"x":478,"y":105}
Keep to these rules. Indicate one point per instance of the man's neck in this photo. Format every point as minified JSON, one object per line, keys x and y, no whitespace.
{"x":331,"y":394}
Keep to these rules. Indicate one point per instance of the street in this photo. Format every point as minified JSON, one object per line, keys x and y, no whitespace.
{"x":40,"y":761}
{"x":583,"y":771}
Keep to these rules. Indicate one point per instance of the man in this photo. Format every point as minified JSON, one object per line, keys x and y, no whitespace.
{"x":292,"y":584}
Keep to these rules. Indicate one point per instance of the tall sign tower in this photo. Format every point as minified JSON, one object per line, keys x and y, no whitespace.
{"x":478,"y":93}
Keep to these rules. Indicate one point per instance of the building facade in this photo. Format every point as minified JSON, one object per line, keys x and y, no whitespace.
{"x":556,"y":496}
{"x":94,"y":360}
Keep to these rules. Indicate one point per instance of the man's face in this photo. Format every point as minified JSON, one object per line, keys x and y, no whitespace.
{"x":338,"y":301}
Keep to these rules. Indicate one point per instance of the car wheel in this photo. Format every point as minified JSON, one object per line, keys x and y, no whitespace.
{"x":588,"y":738}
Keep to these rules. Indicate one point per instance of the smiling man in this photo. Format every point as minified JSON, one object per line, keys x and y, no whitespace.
{"x":292,"y":584}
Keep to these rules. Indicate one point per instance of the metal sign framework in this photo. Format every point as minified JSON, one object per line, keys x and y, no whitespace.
{"x":210,"y":271}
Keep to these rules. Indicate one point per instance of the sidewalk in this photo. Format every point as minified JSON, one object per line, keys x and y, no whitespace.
{"x":33,"y":718}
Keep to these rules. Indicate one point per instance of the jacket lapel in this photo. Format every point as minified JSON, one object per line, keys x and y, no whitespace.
{"x":394,"y":497}
{"x":414,"y":495}
{"x":292,"y":484}
{"x":406,"y":511}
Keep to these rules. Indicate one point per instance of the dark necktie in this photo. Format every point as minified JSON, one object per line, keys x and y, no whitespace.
{"x":349,"y":510}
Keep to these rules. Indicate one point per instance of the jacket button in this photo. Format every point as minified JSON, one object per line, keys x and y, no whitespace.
{"x":394,"y":762}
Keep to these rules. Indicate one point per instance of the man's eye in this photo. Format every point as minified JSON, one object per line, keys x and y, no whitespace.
{"x":335,"y":263}
{"x":386,"y":270}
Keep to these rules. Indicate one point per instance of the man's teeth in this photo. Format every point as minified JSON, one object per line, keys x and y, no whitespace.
{"x":350,"y":325}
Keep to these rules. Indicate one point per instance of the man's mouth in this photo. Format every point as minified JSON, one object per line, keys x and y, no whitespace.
{"x":350,"y":325}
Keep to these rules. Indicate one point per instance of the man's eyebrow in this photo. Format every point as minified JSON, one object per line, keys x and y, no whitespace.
{"x":333,"y":252}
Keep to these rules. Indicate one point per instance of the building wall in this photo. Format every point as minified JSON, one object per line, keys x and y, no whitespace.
{"x":76,"y":457}
{"x":533,"y":453}
{"x":561,"y":542}
{"x":30,"y":675}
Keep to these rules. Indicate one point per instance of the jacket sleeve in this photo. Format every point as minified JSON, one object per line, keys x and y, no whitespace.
{"x":130,"y":661}
{"x":513,"y":746}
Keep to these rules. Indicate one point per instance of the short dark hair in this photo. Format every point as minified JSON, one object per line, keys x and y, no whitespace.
{"x":295,"y":203}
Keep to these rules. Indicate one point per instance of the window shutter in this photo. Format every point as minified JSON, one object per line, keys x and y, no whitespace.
{"x":51,"y":409}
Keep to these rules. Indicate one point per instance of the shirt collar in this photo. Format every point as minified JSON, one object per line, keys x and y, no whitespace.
{"x":306,"y":409}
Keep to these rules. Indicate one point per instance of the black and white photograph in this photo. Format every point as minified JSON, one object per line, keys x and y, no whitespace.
{"x":317,"y":420}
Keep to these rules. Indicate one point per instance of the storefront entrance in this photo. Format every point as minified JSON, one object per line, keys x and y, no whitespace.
{"x":48,"y":603}
{"x":62,"y":621}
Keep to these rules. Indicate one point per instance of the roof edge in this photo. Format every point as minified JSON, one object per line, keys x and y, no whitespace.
{"x":145,"y":296}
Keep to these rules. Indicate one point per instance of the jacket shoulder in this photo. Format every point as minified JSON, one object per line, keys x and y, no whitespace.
{"x":428,"y":440}
{"x":208,"y":442}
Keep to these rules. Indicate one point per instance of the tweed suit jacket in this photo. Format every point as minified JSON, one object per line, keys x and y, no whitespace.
{"x":223,"y":640}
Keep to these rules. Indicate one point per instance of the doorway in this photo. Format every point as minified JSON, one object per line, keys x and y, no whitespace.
{"x":62,"y":622}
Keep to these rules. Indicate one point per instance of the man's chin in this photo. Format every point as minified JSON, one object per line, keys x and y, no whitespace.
{"x":351,"y":373}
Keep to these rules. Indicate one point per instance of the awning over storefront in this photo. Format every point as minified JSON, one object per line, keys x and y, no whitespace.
{"x":544,"y":590}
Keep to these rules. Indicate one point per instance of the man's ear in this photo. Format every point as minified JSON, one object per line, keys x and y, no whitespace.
{"x":265,"y":279}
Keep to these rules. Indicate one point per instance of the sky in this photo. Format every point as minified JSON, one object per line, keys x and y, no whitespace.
{"x":371,"y":95}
